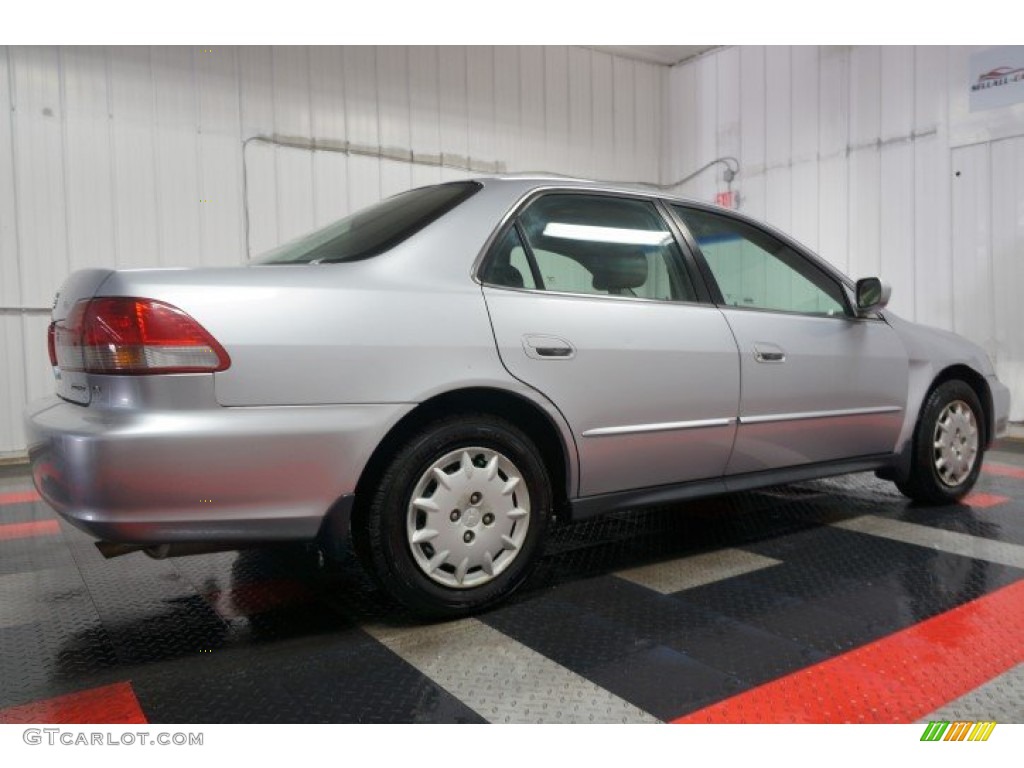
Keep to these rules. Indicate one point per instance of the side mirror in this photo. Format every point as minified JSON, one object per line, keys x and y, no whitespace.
{"x":872,"y":294}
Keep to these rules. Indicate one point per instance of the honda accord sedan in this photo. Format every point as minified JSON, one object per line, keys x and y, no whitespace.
{"x":441,"y":374}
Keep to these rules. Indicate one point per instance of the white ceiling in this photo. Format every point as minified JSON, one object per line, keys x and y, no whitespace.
{"x":656,"y":54}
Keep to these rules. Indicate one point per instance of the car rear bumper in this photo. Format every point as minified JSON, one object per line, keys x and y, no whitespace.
{"x":231,"y":475}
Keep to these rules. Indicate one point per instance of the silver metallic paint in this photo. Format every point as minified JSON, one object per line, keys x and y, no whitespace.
{"x":228,"y":474}
{"x":930,"y":351}
{"x":326,"y":359}
{"x":636,"y":362}
{"x":833,"y":364}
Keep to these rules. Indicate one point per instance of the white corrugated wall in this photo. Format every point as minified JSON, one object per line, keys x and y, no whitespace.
{"x":870,"y":156}
{"x":133,"y":157}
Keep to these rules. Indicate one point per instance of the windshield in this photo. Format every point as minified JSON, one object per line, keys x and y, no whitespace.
{"x":373,"y":230}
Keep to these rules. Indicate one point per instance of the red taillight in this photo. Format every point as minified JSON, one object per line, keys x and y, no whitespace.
{"x":135,"y":336}
{"x":51,"y":343}
{"x":67,"y":339}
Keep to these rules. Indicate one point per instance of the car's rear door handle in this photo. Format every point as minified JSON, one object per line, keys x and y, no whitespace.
{"x":542,"y":347}
{"x":768,"y":353}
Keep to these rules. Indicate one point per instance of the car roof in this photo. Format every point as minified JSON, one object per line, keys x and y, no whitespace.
{"x":521,"y":184}
{"x":517,"y":186}
{"x":526,"y":182}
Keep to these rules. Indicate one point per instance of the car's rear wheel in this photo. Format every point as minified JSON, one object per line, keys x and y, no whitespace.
{"x":457,"y":518}
{"x":948,"y":445}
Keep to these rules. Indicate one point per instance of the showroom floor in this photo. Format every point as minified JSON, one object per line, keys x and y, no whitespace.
{"x":829,"y":601}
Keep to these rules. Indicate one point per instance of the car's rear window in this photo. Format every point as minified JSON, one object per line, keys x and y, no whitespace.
{"x":373,"y":230}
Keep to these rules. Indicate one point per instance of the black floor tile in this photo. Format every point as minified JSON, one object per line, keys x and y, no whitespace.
{"x":267,"y":635}
{"x":345,"y":677}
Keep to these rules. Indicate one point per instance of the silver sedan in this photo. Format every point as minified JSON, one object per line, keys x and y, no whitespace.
{"x":439,"y":374}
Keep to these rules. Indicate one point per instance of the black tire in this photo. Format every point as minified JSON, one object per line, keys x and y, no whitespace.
{"x":381,"y":528}
{"x":925,"y":483}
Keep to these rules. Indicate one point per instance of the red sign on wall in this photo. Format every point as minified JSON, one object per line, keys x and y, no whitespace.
{"x":726,"y":199}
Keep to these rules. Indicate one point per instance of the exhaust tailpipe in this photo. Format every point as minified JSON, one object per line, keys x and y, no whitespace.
{"x":111,"y":549}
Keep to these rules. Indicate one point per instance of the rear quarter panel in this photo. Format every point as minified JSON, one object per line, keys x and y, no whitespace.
{"x":337,"y":333}
{"x":398,"y":327}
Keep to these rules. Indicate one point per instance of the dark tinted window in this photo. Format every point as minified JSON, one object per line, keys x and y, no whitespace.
{"x":375,"y":229}
{"x":508,"y":265}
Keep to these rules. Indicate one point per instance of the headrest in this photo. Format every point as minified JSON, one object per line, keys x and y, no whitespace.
{"x":620,"y":272}
{"x":505,"y":274}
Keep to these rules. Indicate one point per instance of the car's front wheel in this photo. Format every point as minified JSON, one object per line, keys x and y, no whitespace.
{"x":457,"y":518}
{"x":948,"y":445}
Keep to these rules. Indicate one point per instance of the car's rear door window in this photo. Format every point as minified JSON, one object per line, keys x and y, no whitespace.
{"x":593,"y":244}
{"x":508,"y":264}
{"x":373,"y":230}
{"x":758,"y":271}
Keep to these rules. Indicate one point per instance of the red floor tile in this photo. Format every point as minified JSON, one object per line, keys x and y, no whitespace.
{"x":984,"y":500}
{"x":1003,"y":470}
{"x":25,"y":530}
{"x":897,"y":679}
{"x":110,"y":704}
{"x":19,"y":497}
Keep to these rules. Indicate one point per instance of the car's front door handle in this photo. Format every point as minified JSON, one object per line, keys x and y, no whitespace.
{"x":542,"y":347}
{"x":768,"y":353}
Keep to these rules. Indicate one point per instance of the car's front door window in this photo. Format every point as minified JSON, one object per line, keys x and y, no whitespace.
{"x":755,"y":270}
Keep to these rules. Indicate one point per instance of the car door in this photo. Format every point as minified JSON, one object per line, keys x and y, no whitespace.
{"x":593,"y":305}
{"x":818,"y":383}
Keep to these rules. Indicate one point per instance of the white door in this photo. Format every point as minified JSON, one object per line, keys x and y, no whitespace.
{"x":988,"y":256}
